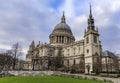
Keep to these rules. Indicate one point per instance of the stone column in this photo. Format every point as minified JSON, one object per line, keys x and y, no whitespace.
{"x":51,"y":39}
{"x":61,"y":39}
{"x":67,"y":40}
{"x":56,"y":39}
{"x":70,"y":40}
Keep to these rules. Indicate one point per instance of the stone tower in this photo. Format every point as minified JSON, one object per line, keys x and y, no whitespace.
{"x":30,"y":51}
{"x":61,"y":34}
{"x":92,"y":46}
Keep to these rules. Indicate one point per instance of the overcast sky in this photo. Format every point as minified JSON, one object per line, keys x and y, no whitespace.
{"x":25,"y":20}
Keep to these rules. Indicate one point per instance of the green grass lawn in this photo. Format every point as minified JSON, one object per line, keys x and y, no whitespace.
{"x":45,"y":79}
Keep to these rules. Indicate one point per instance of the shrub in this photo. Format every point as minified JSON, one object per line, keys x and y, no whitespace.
{"x":94,"y":78}
{"x":113,"y":75}
{"x":85,"y":78}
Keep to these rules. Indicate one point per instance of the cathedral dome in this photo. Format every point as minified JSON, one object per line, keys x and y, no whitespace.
{"x":62,"y":33}
{"x":62,"y":26}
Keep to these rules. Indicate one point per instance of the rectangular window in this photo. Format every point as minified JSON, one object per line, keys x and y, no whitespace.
{"x":68,"y":62}
{"x":74,"y":62}
{"x":87,"y":40}
{"x":95,"y":39}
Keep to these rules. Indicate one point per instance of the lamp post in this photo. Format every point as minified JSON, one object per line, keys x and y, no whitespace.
{"x":88,"y":68}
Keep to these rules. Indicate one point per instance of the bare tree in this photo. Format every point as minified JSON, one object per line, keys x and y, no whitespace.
{"x":15,"y":52}
{"x":5,"y":60}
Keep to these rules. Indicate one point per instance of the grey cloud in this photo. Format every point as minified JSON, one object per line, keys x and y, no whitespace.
{"x":110,"y":38}
{"x":23,"y":22}
{"x":26,"y":20}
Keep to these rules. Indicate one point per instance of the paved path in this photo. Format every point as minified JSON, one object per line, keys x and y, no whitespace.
{"x":115,"y":80}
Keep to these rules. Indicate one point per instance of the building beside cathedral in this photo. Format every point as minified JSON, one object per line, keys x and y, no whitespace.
{"x":63,"y":52}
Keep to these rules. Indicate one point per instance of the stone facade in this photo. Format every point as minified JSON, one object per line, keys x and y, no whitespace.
{"x":110,"y":62}
{"x":63,"y":52}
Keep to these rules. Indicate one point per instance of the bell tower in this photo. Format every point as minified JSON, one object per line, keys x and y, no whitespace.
{"x":92,"y":46}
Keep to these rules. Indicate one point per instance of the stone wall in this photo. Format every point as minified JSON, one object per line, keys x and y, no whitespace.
{"x":31,"y":73}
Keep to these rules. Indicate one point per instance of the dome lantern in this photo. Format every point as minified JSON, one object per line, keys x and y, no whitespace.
{"x":63,"y":18}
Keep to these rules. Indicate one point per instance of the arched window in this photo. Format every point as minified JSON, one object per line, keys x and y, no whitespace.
{"x":87,"y":50}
